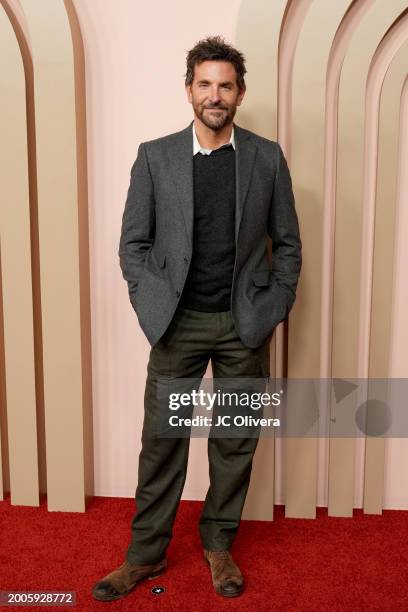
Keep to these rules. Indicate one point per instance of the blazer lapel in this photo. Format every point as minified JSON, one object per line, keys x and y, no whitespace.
{"x":245,"y":153}
{"x":181,"y":163}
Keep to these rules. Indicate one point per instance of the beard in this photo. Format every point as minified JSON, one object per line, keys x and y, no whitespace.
{"x":215,"y":120}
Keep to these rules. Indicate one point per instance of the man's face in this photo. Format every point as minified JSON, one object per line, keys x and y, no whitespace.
{"x":214,"y":93}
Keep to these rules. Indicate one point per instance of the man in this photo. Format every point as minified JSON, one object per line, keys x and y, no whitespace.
{"x":193,"y":250}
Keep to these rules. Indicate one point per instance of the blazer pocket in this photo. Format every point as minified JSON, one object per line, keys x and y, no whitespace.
{"x":156,"y":263}
{"x":262,"y":278}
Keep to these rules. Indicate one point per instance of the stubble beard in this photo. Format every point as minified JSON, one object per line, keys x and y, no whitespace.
{"x":215,"y":121}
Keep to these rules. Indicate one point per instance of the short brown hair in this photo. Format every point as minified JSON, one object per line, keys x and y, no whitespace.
{"x":214,"y":48}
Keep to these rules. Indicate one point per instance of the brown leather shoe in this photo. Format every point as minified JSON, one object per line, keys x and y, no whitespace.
{"x":123,"y":579}
{"x":226,"y":576}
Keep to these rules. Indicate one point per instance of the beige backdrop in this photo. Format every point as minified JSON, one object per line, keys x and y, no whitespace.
{"x":82,"y":84}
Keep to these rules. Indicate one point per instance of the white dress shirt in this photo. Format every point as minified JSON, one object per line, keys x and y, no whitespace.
{"x":197,"y":148}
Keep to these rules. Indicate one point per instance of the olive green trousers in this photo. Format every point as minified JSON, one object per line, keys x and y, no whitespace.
{"x":191,"y":340}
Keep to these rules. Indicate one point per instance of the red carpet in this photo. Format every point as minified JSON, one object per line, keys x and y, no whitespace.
{"x":358,"y":563}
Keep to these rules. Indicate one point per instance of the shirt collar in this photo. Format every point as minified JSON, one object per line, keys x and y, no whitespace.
{"x":197,"y":148}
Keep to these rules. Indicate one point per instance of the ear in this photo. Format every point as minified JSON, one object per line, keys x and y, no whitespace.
{"x":189,"y":94}
{"x":241,"y":96}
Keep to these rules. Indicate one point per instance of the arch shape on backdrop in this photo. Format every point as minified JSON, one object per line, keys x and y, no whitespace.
{"x":318,"y":154}
{"x":19,"y":472}
{"x":61,"y":308}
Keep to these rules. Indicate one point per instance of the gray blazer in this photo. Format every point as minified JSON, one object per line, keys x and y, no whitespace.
{"x":156,"y":243}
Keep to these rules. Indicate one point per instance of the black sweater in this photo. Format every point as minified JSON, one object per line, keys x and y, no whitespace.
{"x":209,"y":280}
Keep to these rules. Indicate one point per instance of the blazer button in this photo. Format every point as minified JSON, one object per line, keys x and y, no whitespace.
{"x":178,"y":293}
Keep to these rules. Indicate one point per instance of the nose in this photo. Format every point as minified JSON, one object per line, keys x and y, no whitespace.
{"x":214,"y":95}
